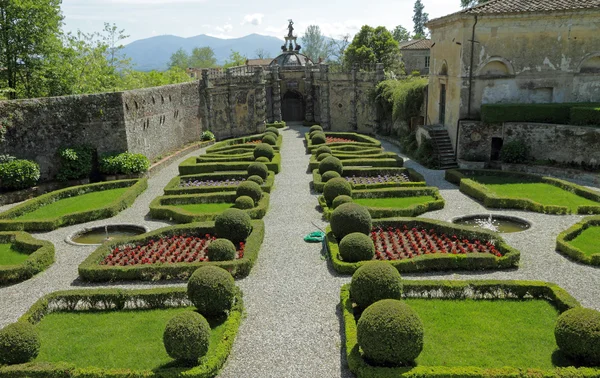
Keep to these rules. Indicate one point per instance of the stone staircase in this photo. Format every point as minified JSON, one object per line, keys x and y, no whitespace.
{"x":443,"y":146}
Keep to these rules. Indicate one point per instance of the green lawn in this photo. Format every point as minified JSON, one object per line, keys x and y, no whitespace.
{"x":487,"y":334}
{"x":129,"y":339}
{"x":402,"y":202}
{"x":85,"y":202}
{"x":587,"y":241}
{"x":9,"y":255}
{"x":545,"y":194}
{"x":201,"y":208}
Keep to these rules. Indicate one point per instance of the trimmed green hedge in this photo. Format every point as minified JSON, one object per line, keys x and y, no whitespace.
{"x":279,"y":125}
{"x":173,"y":187}
{"x":439,"y":261}
{"x":136,"y":188}
{"x":361,"y":141}
{"x":481,"y":193}
{"x":386,"y":159}
{"x":564,"y":247}
{"x":411,"y":211}
{"x":229,"y":144}
{"x":348,"y":153}
{"x":417,"y":179}
{"x":541,"y":113}
{"x":41,"y":256}
{"x":585,"y":116}
{"x":114,"y":300}
{"x":192,"y":166}
{"x":208,"y":158}
{"x":164,"y":207}
{"x":91,"y":270}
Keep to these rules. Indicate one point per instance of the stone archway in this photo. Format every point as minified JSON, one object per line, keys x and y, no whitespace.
{"x":292,"y":106}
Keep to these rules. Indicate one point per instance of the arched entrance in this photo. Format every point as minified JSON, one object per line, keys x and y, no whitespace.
{"x":292,"y":106}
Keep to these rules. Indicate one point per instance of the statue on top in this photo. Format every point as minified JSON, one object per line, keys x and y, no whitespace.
{"x":291,"y":28}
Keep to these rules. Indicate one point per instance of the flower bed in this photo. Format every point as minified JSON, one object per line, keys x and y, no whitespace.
{"x":198,"y":183}
{"x":580,"y":242}
{"x":354,"y":139}
{"x":443,"y":246}
{"x":330,"y":139}
{"x":212,"y":182}
{"x":38,"y":255}
{"x":375,"y":178}
{"x":194,"y":165}
{"x":243,"y":142}
{"x":385,"y":159}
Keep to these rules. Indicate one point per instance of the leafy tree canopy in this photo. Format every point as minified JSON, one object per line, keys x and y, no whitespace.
{"x":235,"y":59}
{"x":373,"y":45}
{"x":314,"y":44}
{"x":400,"y":34}
{"x":420,"y":18}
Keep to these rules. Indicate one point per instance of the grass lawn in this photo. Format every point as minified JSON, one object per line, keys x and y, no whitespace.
{"x":201,"y":208}
{"x":487,"y":334}
{"x":85,"y":202}
{"x":545,"y":194}
{"x":129,"y":339}
{"x":587,"y":241}
{"x":402,"y":202}
{"x":9,"y":255}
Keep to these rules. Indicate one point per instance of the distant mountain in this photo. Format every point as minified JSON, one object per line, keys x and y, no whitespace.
{"x":154,"y":53}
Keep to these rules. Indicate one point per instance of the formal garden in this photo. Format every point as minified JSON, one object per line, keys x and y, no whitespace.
{"x":218,"y":281}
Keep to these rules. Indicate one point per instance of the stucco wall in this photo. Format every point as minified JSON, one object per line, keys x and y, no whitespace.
{"x":414,"y":60}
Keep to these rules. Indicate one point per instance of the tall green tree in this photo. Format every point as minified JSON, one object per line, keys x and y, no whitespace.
{"x":180,"y":59}
{"x":202,"y":57}
{"x":314,"y":44}
{"x":235,"y":59}
{"x":373,"y":45}
{"x":420,"y":18}
{"x":401,"y":34}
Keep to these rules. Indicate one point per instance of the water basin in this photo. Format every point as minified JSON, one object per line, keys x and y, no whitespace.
{"x":101,"y":234}
{"x":497,"y":223}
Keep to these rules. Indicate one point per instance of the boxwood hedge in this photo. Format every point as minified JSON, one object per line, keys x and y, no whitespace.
{"x":360,"y":140}
{"x":384,"y":159}
{"x":41,"y":256}
{"x":416,"y":179}
{"x":564,"y":246}
{"x":193,"y":166}
{"x":174,"y":188}
{"x":226,"y":145}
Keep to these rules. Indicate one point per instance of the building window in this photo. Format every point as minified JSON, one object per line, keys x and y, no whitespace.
{"x":426,"y":62}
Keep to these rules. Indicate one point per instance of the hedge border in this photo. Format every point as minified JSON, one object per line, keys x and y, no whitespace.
{"x":563,"y":246}
{"x":41,"y":256}
{"x":340,"y":151}
{"x":437,"y":262}
{"x":279,"y":125}
{"x":110,"y":210}
{"x":96,"y":300}
{"x":91,"y":270}
{"x":228,"y":144}
{"x":217,"y":158}
{"x":417,"y":179}
{"x":489,"y":199}
{"x":361,"y":140}
{"x":164,"y":207}
{"x":429,"y":289}
{"x":192,"y":167}
{"x":173,"y":188}
{"x":387,"y":212}
{"x":387,"y":159}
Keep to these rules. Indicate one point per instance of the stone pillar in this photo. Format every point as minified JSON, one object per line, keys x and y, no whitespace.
{"x":276,"y":94}
{"x":324,"y":95}
{"x":260,"y":114}
{"x":354,"y":103}
{"x":308,"y":87}
{"x":205,"y":86}
{"x":230,"y":100}
{"x":379,"y":73}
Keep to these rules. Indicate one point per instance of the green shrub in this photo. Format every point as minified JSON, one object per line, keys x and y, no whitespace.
{"x":250,"y":189}
{"x":221,"y":250}
{"x":211,"y":289}
{"x":244,"y":203}
{"x":357,"y":247}
{"x":585,"y":116}
{"x":313,"y":133}
{"x":258,"y":169}
{"x":233,"y":224}
{"x":336,"y":187}
{"x":269,"y":139}
{"x":207,"y":135}
{"x":315,"y":128}
{"x":577,"y":335}
{"x":390,"y":332}
{"x":273,"y":130}
{"x":4,"y":158}
{"x":256,"y":179}
{"x":331,"y":164}
{"x":426,"y":154}
{"x":318,"y":138}
{"x":401,"y":99}
{"x":19,"y":343}
{"x":329,"y":175}
{"x":262,"y":159}
{"x":187,"y":336}
{"x":75,"y":163}
{"x":348,"y":218}
{"x":322,"y":150}
{"x":125,"y":163}
{"x":270,"y":134}
{"x":340,"y":200}
{"x":322,"y":156}
{"x":542,"y":113}
{"x":515,"y":151}
{"x":264,"y":150}
{"x":374,"y":281}
{"x":19,"y":174}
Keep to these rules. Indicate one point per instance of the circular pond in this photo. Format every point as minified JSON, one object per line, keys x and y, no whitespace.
{"x":101,"y":234}
{"x":497,"y":223}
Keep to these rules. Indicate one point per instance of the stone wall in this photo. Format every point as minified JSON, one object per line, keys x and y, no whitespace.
{"x":350,"y":108}
{"x":415,"y":60}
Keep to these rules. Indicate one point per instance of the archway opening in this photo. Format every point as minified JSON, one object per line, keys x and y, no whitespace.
{"x":292,"y":107}
{"x":591,"y":65}
{"x":495,"y":68}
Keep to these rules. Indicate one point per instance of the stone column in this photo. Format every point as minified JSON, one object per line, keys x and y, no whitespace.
{"x":354,"y":103}
{"x":324,"y":95}
{"x":230,"y":100}
{"x":260,"y":114}
{"x":205,"y":86}
{"x":276,"y":94}
{"x":309,"y":110}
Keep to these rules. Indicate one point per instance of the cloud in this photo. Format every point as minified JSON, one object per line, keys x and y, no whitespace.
{"x":254,"y":19}
{"x":225,"y":28}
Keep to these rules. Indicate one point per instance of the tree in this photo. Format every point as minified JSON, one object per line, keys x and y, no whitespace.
{"x":471,"y":3}
{"x":235,"y":59}
{"x":202,"y":57}
{"x":262,"y":54}
{"x":337,"y":48}
{"x":420,"y":18}
{"x":400,"y":34}
{"x":112,"y":37}
{"x":371,"y":46}
{"x":180,"y":59}
{"x":314,"y":44}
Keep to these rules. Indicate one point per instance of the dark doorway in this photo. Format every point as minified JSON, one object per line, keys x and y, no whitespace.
{"x":442,"y":103}
{"x":292,"y":107}
{"x":496,"y":148}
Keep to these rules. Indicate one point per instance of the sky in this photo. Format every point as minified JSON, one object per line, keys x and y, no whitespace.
{"x":231,"y":19}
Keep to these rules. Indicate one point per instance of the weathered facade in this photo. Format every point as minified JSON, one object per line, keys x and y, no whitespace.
{"x":416,"y":56}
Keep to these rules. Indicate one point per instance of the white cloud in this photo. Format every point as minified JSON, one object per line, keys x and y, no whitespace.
{"x":254,"y":19}
{"x":225,"y":28}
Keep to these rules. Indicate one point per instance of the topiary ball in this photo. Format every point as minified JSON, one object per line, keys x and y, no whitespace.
{"x":270,"y":134}
{"x":264,"y":150}
{"x":273,"y":130}
{"x":313,"y":133}
{"x":315,"y":128}
{"x":374,"y":281}
{"x":187,"y":336}
{"x":256,"y":179}
{"x":340,"y":200}
{"x":348,"y":218}
{"x":244,"y":203}
{"x":269,"y":139}
{"x":221,"y":250}
{"x":322,"y":150}
{"x":233,"y":224}
{"x":323,"y":156}
{"x":250,"y":189}
{"x":258,"y":169}
{"x":211,"y":289}
{"x":390,"y":332}
{"x":577,"y":334}
{"x":329,"y":175}
{"x":318,"y":138}
{"x":262,"y":159}
{"x":336,"y":187}
{"x":19,"y":343}
{"x":357,"y":247}
{"x":331,"y":163}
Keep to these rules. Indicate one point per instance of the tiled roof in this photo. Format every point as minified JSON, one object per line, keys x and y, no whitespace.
{"x":417,"y":44}
{"x":517,"y":6}
{"x":258,"y":62}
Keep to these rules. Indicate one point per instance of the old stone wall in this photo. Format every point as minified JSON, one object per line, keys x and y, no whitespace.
{"x":350,"y":107}
{"x":415,"y":60}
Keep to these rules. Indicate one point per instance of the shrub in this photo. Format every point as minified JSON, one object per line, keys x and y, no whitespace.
{"x":340,"y":200}
{"x":315,"y":128}
{"x":269,"y":139}
{"x":187,"y":336}
{"x":357,"y":247}
{"x":270,"y":134}
{"x":19,"y":343}
{"x":211,"y":289}
{"x":262,"y":159}
{"x":233,"y":224}
{"x":577,"y":335}
{"x":273,"y":130}
{"x":401,"y":99}
{"x":585,"y":116}
{"x":329,"y":175}
{"x":75,"y":163}
{"x":4,"y":158}
{"x":331,"y":164}
{"x":349,"y":218}
{"x":390,"y":332}
{"x":256,"y":179}
{"x":319,"y":138}
{"x":258,"y":169}
{"x":207,"y":135}
{"x":244,"y":203}
{"x":322,"y":150}
{"x":250,"y":189}
{"x":221,"y":250}
{"x":323,"y":156}
{"x":313,"y":133}
{"x":336,"y":187}
{"x":125,"y":163}
{"x":264,"y":150}
{"x":559,"y":113}
{"x":515,"y":151}
{"x":19,"y":174}
{"x":374,"y":281}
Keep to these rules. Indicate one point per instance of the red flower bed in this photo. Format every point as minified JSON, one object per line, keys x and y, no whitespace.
{"x":399,"y":244}
{"x":174,"y":249}
{"x":341,"y":140}
{"x":254,"y":141}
